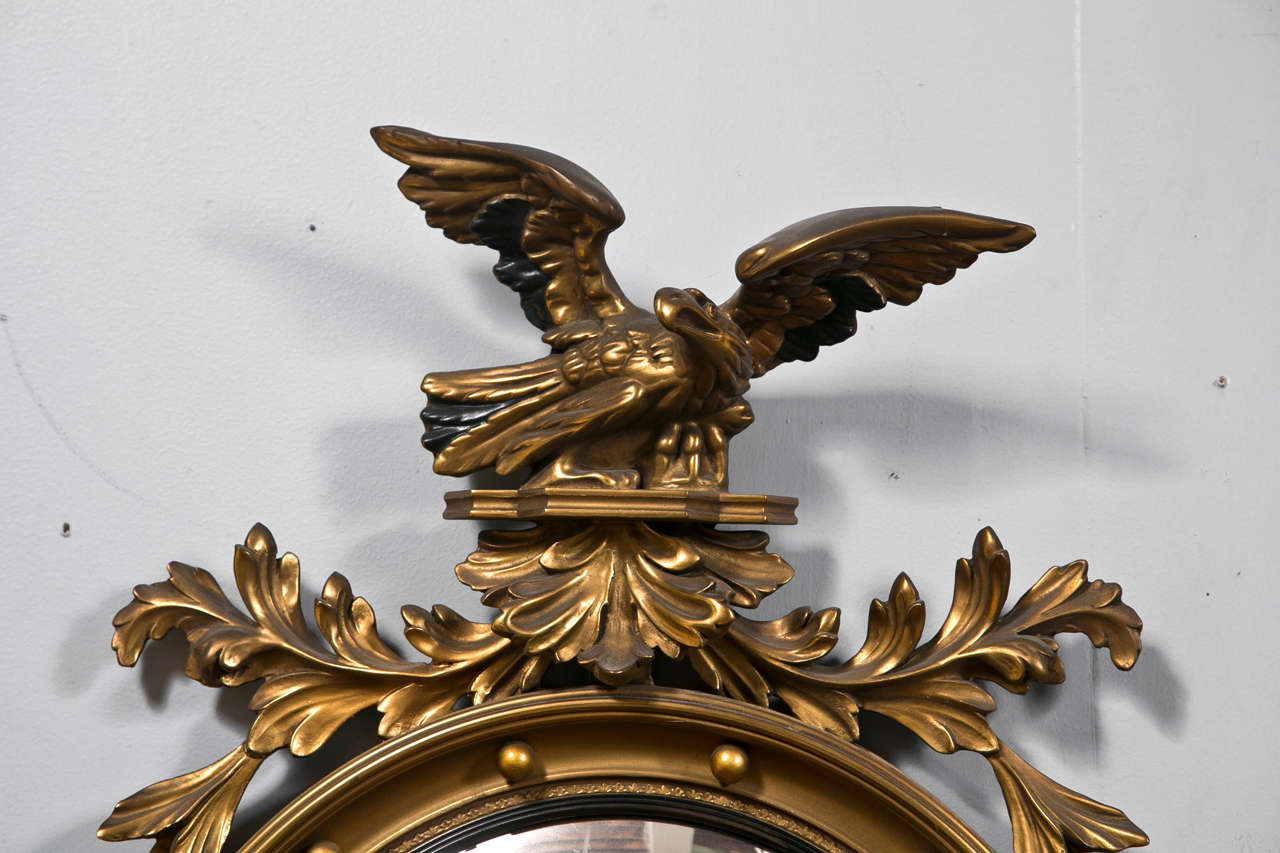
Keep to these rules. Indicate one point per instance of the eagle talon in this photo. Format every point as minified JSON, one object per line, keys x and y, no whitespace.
{"x":688,"y":455}
{"x":562,"y":474}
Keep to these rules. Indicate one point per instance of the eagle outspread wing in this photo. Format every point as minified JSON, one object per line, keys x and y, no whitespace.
{"x":548,"y":219}
{"x":628,"y":397}
{"x":803,"y":286}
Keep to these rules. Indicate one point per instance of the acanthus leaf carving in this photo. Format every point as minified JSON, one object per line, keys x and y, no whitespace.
{"x":610,"y":594}
{"x":933,"y":688}
{"x":311,"y":684}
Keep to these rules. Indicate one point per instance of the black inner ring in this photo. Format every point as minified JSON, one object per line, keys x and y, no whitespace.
{"x":612,"y":806}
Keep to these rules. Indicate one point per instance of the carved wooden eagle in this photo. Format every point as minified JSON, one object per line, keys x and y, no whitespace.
{"x":629,"y":398}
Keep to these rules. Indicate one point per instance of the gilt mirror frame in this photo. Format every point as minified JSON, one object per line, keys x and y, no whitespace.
{"x":632,"y":571}
{"x":641,"y":752}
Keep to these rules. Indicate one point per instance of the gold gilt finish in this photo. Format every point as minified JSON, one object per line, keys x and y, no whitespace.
{"x":608,"y":745}
{"x":630,"y":398}
{"x":610,"y":594}
{"x":649,"y":504}
{"x":729,"y":763}
{"x":581,"y":603}
{"x":515,"y":760}
{"x":624,"y":427}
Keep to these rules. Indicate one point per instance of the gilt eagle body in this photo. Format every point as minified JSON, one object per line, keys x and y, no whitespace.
{"x":630,"y":398}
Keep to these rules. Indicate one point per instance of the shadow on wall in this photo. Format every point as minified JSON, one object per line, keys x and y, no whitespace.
{"x":1154,"y":686}
{"x":330,"y":286}
{"x":378,"y":469}
{"x":936,"y":426}
{"x":943,"y":433}
{"x":1067,"y":711}
{"x":882,"y":424}
{"x":379,"y":465}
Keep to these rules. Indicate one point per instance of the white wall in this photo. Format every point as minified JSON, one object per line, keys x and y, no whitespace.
{"x":181,"y":356}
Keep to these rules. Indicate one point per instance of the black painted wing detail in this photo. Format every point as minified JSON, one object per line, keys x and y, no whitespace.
{"x":546,"y":217}
{"x":803,"y":286}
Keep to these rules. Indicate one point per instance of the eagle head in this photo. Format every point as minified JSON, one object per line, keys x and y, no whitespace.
{"x":690,"y":314}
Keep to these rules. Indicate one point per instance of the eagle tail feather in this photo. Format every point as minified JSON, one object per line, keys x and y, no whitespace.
{"x":491,"y":384}
{"x":464,"y":400}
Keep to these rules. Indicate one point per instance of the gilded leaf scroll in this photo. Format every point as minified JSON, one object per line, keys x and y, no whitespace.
{"x":609,"y":594}
{"x":933,"y":688}
{"x":310,"y":685}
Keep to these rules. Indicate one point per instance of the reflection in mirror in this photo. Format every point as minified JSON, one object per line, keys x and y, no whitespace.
{"x":617,"y":836}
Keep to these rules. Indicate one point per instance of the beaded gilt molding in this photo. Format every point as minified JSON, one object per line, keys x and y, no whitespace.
{"x":624,"y":429}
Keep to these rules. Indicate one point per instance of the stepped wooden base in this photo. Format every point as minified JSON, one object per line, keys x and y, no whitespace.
{"x":647,"y":504}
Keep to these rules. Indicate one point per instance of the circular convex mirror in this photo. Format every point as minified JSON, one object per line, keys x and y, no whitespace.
{"x":625,"y":835}
{"x":617,"y":824}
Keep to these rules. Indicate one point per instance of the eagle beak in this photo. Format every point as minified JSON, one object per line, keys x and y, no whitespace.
{"x":680,"y":312}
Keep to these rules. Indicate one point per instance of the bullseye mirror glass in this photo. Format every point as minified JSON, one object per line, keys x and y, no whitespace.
{"x":617,"y":836}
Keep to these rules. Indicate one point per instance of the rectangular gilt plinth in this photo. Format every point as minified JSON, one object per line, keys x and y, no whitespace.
{"x":655,"y":504}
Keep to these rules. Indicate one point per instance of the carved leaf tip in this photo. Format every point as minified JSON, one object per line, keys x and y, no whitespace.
{"x":1065,"y":600}
{"x":186,"y":814}
{"x":190,"y":601}
{"x":893,"y":629}
{"x":1050,"y":818}
{"x":986,"y":543}
{"x":260,"y":540}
